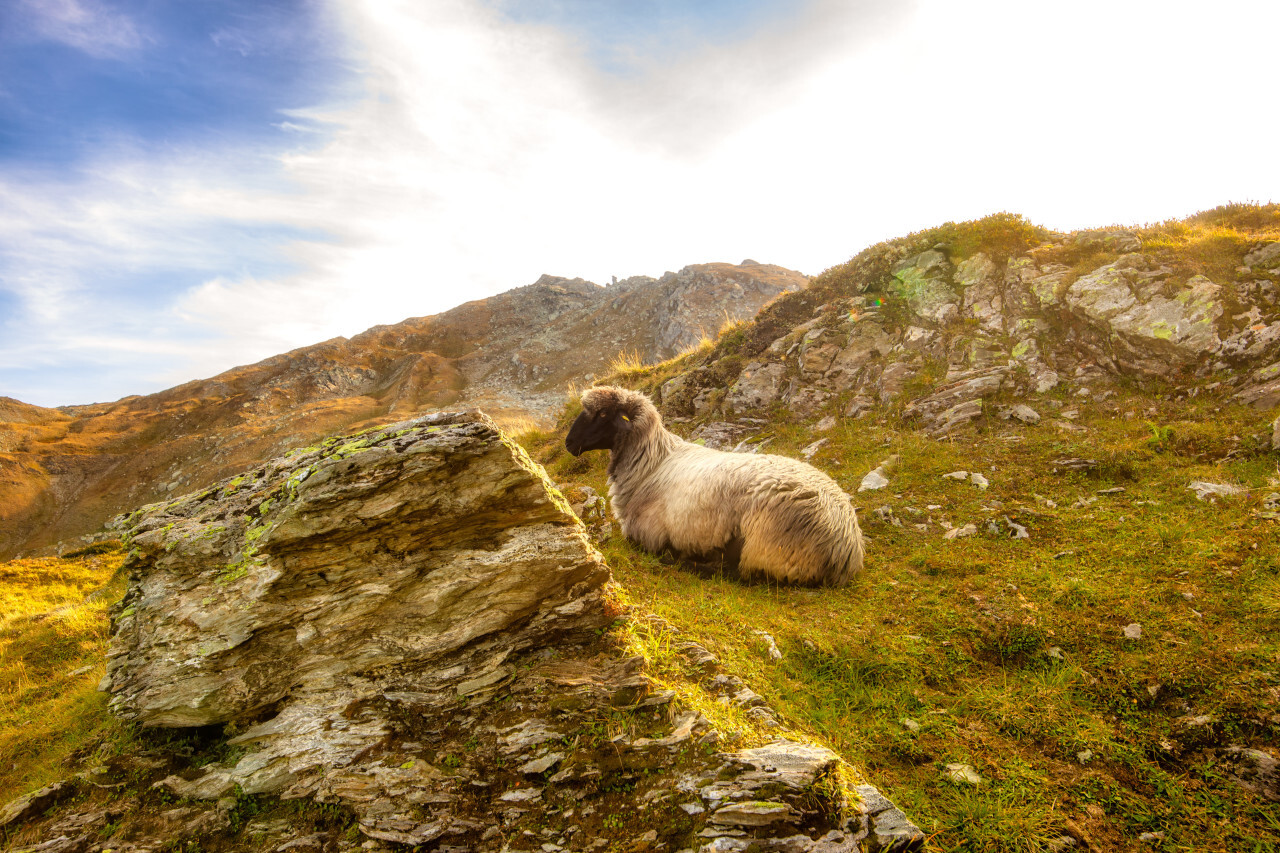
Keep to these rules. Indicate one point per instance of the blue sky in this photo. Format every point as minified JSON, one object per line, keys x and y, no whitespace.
{"x":188,"y":186}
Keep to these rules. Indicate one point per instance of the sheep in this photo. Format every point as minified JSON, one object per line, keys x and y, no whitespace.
{"x":767,"y":516}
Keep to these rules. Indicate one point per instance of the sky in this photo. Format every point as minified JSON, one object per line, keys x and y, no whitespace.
{"x":191,"y":185}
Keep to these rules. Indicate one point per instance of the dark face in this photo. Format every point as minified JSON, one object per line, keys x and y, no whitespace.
{"x":593,"y":432}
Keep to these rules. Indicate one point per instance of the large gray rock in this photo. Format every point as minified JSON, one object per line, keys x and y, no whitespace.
{"x":980,"y":279}
{"x":1264,"y":257}
{"x":1112,"y":240}
{"x":758,"y":387}
{"x":422,"y":547}
{"x":922,"y":280}
{"x":1126,"y":297}
{"x":866,"y":341}
{"x":1263,"y":390}
{"x":1032,"y":286}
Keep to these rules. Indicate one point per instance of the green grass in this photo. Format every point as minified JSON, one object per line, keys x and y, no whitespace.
{"x":1008,"y":654}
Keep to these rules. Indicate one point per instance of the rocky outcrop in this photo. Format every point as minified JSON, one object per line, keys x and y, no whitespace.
{"x":426,"y":547}
{"x":943,"y":334}
{"x":924,"y":282}
{"x":406,"y":625}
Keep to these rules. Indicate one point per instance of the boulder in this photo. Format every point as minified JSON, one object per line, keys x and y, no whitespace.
{"x":758,"y":387}
{"x":1126,"y":299}
{"x":1266,"y":256}
{"x":1263,"y":389}
{"x":867,"y":341}
{"x":435,"y":547}
{"x":1112,"y":240}
{"x":818,"y":349}
{"x":1031,"y":287}
{"x":957,"y":401}
{"x":979,"y":278}
{"x":922,"y":280}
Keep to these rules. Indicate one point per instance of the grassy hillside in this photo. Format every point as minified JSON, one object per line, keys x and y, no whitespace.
{"x":1004,"y":653}
{"x":1008,"y":654}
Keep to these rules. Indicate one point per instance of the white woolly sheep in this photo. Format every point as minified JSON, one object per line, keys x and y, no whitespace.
{"x":764,"y":515}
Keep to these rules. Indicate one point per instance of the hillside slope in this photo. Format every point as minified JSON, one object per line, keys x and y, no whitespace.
{"x":1063,"y":449}
{"x":63,"y":472}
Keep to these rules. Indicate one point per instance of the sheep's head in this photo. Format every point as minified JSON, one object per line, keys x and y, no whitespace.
{"x":607,"y":415}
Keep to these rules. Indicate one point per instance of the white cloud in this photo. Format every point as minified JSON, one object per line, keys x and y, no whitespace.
{"x":86,"y":25}
{"x":481,"y":152}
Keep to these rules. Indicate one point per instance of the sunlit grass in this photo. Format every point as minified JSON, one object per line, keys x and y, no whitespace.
{"x":53,"y":636}
{"x":1009,"y":655}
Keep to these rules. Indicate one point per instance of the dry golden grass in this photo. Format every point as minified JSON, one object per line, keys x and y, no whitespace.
{"x":53,"y":634}
{"x":626,"y":362}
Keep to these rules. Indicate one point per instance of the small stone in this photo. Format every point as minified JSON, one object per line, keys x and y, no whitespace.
{"x":957,"y":475}
{"x":1205,"y":491}
{"x":810,"y":451}
{"x":1151,"y":837}
{"x":1084,"y":756}
{"x":885,"y":514}
{"x":1055,"y":652}
{"x":961,"y":532}
{"x":910,"y":724}
{"x":770,"y":645}
{"x":1016,"y":531}
{"x":1062,"y":842}
{"x":1074,"y":464}
{"x":963,"y":774}
{"x":1133,"y":631}
{"x":978,"y":480}
{"x":875,"y":479}
{"x":1025,"y":413}
{"x":541,"y":765}
{"x":826,"y":424}
{"x":522,"y":795}
{"x":692,"y":808}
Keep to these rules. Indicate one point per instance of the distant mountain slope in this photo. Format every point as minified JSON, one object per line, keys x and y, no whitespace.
{"x":64,"y":471}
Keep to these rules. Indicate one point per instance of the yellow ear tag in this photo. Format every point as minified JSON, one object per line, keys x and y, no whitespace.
{"x":625,"y":418}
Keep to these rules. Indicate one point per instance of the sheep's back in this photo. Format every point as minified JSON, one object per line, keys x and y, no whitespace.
{"x":794,"y":523}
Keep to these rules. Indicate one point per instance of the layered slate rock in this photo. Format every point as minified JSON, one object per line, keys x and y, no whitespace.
{"x":419,"y":553}
{"x":409,"y":625}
